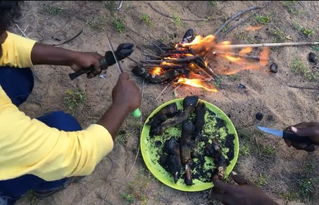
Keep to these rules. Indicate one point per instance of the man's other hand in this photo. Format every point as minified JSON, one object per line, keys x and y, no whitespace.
{"x":87,"y":60}
{"x":126,"y":93}
{"x":242,"y":194}
{"x":309,"y":130}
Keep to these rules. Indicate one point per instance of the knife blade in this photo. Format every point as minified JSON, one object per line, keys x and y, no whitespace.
{"x":285,"y":135}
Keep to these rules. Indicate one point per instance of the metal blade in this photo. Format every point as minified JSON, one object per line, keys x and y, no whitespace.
{"x":111,"y":47}
{"x":278,"y":133}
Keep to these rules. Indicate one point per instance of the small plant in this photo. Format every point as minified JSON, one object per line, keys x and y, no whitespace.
{"x":110,"y":5}
{"x":315,"y":48}
{"x":52,"y":10}
{"x":261,"y":180}
{"x":304,"y":31}
{"x":177,"y":20}
{"x":279,"y":35}
{"x":298,"y":67}
{"x":146,"y":19}
{"x":268,"y":150}
{"x":73,"y":99}
{"x":122,"y":137}
{"x":262,"y":19}
{"x":289,"y":196}
{"x":128,"y":197}
{"x":97,"y":23}
{"x":118,"y":25}
{"x":306,"y":188}
{"x":212,"y":3}
{"x":290,"y":6}
{"x":245,"y":149}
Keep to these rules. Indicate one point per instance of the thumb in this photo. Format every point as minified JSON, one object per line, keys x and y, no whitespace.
{"x":240,"y":180}
{"x":223,"y":187}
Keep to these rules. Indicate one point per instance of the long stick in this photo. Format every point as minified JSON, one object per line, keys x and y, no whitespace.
{"x":235,"y":16}
{"x":270,"y":44}
{"x":300,"y":87}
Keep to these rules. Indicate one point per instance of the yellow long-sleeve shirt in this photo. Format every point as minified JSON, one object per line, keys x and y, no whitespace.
{"x":28,"y":146}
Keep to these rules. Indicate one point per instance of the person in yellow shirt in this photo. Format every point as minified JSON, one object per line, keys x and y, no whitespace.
{"x":42,"y":154}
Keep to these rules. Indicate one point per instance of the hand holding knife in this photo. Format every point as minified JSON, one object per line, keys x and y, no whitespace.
{"x":307,"y":143}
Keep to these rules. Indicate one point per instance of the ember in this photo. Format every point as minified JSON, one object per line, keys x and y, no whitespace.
{"x":196,"y":61}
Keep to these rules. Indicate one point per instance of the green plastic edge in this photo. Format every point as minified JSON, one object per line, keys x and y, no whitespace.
{"x":168,"y":182}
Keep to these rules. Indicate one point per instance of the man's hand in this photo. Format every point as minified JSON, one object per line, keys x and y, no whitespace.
{"x":126,"y":93}
{"x":243,"y":194}
{"x":126,"y":98}
{"x":309,"y":130}
{"x":87,"y":60}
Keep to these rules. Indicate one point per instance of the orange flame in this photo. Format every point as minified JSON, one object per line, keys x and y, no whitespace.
{"x":245,"y":51}
{"x":156,"y":71}
{"x":264,"y":56}
{"x":197,"y":83}
{"x":253,"y":28}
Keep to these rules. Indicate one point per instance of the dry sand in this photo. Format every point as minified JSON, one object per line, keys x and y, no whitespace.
{"x":265,"y":160}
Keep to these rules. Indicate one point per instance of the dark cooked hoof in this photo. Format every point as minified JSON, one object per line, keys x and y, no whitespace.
{"x":190,"y":101}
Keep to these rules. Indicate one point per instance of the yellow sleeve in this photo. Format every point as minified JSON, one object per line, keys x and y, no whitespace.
{"x":16,"y":51}
{"x":28,"y":146}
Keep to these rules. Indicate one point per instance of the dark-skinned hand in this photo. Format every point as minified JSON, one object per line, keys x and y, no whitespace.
{"x":126,"y":94}
{"x":308,"y":130}
{"x":92,"y":61}
{"x":245,"y":193}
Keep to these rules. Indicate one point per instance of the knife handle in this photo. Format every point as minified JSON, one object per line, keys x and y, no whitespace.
{"x":296,"y":138}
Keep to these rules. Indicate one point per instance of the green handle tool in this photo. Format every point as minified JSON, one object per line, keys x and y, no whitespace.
{"x":137,"y":112}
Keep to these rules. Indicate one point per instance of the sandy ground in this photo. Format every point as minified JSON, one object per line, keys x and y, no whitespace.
{"x":118,"y":179}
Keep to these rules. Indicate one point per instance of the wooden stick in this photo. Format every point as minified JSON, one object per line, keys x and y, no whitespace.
{"x":300,"y":87}
{"x":235,"y":16}
{"x":271,"y":44}
{"x":241,"y":56}
{"x":179,"y":60}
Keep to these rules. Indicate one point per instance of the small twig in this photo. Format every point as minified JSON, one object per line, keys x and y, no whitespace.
{"x":236,"y":25}
{"x":69,"y":40}
{"x":301,"y":87}
{"x":183,"y":19}
{"x":235,"y":16}
{"x":138,"y":147}
{"x":162,"y":92}
{"x":270,"y":44}
{"x":120,"y":5}
{"x":23,"y":32}
{"x":131,"y":59}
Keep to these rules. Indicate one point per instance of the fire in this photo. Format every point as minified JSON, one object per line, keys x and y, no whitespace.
{"x":196,"y":83}
{"x":156,"y":71}
{"x":253,"y":28}
{"x":245,"y":51}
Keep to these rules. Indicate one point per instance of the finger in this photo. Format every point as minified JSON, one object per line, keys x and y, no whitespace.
{"x":241,"y":180}
{"x":288,"y":142}
{"x":221,"y":185}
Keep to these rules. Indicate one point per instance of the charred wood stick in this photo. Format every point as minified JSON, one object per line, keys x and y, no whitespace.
{"x":186,"y":150}
{"x":301,"y":87}
{"x":162,"y":66}
{"x":235,"y":16}
{"x":257,"y":58}
{"x":179,"y":60}
{"x":271,"y":44}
